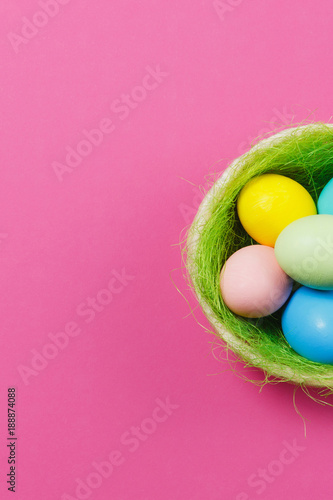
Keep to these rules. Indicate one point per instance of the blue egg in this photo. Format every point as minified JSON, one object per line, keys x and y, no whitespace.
{"x":325,"y":200}
{"x":307,"y":324}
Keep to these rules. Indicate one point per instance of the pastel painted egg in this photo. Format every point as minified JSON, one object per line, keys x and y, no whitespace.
{"x":304,"y":250}
{"x":307,"y":324}
{"x":252,"y":282}
{"x":268,"y":203}
{"x":325,"y":200}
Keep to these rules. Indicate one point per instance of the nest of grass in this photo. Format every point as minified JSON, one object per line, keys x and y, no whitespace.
{"x":305,"y":154}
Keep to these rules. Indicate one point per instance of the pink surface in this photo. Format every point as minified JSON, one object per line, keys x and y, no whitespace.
{"x":87,"y":245}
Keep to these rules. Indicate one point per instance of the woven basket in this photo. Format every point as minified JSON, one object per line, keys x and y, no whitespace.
{"x":238,"y":346}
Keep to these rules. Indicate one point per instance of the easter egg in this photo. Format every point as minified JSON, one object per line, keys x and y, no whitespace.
{"x":307,"y":324}
{"x":252,"y":282}
{"x":325,"y":200}
{"x":304,"y":250}
{"x":268,"y":203}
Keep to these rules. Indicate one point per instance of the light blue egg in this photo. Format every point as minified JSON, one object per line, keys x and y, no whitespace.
{"x":307,"y":324}
{"x":325,"y":200}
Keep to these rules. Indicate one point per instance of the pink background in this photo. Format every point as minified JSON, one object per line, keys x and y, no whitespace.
{"x":225,"y":74}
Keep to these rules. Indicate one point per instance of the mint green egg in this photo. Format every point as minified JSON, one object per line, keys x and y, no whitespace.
{"x":304,"y":250}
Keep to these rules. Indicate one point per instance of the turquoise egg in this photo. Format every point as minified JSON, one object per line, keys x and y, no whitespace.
{"x":304,"y":250}
{"x":325,"y":201}
{"x":307,"y":324}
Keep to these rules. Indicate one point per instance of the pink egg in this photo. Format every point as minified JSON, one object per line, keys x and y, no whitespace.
{"x":252,"y":282}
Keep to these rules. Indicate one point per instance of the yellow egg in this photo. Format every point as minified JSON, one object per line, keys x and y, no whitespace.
{"x":268,"y":203}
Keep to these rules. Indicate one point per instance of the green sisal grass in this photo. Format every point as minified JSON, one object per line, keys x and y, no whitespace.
{"x":306,"y":157}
